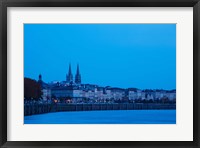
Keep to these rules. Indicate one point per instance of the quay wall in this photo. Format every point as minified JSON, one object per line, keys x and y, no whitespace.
{"x":32,"y":109}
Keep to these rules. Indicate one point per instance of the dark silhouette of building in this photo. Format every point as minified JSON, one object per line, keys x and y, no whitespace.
{"x":69,"y":77}
{"x":40,"y":77}
{"x":78,"y":76}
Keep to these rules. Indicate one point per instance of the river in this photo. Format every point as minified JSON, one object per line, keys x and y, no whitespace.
{"x":105,"y":117}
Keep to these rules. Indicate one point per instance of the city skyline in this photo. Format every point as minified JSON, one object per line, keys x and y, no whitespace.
{"x":128,"y":55}
{"x":75,"y":79}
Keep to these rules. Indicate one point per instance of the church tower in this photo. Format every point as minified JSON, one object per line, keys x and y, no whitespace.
{"x":69,"y":77}
{"x":40,"y":80}
{"x":78,"y":76}
{"x":40,"y":77}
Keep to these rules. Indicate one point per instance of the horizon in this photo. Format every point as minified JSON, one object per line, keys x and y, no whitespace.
{"x":118,"y":55}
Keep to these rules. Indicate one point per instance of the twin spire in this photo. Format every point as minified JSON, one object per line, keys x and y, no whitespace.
{"x":69,"y":77}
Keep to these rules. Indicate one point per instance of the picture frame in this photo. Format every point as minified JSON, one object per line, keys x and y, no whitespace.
{"x":99,"y":3}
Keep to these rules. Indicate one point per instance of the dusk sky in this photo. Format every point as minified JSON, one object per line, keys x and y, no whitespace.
{"x":117,"y":55}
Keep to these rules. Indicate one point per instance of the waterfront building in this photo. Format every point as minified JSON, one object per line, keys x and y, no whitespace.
{"x":108,"y":94}
{"x":46,"y":91}
{"x":171,"y":95}
{"x":132,"y":93}
{"x":75,"y":91}
{"x":118,"y":93}
{"x":62,"y":92}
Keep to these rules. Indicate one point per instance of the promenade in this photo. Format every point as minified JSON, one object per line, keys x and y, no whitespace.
{"x":32,"y":109}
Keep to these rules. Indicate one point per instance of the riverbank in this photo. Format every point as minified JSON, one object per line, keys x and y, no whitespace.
{"x":33,"y":109}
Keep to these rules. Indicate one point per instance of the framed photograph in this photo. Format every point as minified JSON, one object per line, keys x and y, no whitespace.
{"x":99,"y":73}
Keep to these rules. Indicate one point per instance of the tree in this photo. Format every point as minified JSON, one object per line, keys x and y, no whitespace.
{"x":32,"y":89}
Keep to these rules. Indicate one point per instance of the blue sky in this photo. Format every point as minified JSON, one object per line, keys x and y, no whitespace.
{"x":118,"y":55}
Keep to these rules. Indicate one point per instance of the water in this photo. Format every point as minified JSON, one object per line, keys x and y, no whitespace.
{"x":105,"y":117}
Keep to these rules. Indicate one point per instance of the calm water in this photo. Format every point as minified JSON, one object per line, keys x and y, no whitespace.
{"x":105,"y":117}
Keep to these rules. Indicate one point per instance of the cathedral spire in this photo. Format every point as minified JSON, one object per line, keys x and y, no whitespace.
{"x":77,"y":71}
{"x":78,"y":76}
{"x":70,"y":71}
{"x":69,"y":77}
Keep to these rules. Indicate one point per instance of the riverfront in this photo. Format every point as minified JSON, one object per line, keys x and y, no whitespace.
{"x":32,"y":109}
{"x":105,"y":117}
{"x":99,"y":74}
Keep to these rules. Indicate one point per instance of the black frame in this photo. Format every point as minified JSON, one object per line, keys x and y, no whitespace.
{"x":99,"y":3}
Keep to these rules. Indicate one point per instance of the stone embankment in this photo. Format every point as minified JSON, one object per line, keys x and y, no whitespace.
{"x":32,"y":109}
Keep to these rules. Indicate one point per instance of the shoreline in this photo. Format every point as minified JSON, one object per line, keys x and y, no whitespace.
{"x":33,"y":109}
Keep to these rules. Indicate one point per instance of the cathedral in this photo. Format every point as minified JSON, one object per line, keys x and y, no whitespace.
{"x":69,"y":76}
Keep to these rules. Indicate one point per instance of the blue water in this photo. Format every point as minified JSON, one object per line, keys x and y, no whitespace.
{"x":105,"y":117}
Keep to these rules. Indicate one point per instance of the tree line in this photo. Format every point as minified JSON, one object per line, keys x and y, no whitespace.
{"x":32,"y":89}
